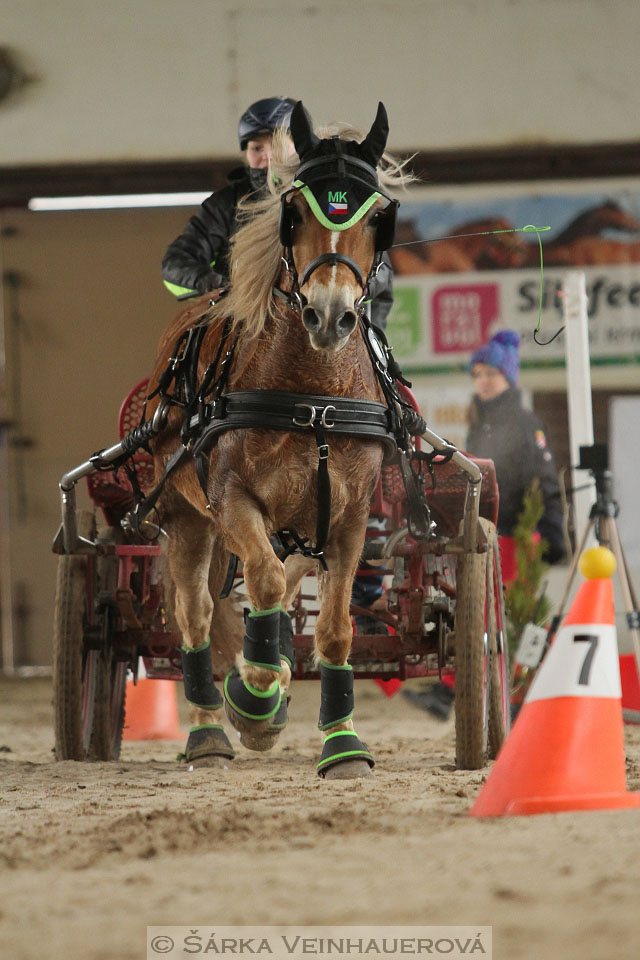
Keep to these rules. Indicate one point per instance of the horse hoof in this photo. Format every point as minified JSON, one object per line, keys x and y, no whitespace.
{"x":207,"y":745}
{"x":207,"y":761}
{"x":344,"y":757}
{"x":259,"y":742}
{"x":348,"y":770}
{"x":257,"y":735}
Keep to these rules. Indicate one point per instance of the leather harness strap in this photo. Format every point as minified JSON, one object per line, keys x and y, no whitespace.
{"x":205,"y":422}
{"x":278,"y":410}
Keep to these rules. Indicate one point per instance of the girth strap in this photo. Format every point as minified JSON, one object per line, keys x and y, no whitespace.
{"x":279,"y":410}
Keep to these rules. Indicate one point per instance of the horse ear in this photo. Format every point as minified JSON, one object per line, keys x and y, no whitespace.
{"x":376,"y":140}
{"x":304,"y":139}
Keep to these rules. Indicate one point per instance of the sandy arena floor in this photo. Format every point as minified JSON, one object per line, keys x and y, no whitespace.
{"x":93,"y":853}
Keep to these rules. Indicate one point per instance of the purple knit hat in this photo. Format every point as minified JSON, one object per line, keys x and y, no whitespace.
{"x":500,"y":352}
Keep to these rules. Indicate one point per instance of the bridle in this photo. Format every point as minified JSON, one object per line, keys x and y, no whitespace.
{"x":347,"y":169}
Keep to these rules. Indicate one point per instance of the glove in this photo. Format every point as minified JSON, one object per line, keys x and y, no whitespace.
{"x":210,"y":281}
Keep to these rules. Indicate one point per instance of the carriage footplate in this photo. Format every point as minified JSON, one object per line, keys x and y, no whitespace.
{"x":206,"y":740}
{"x":258,"y":715}
{"x":336,"y":707}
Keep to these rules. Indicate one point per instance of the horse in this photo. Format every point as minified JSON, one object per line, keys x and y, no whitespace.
{"x":290,"y":336}
{"x":581,"y":242}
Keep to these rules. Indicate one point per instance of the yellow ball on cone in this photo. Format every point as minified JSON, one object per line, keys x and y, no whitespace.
{"x":597,"y":562}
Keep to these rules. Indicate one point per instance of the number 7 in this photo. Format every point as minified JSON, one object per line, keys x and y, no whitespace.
{"x":592,"y":640}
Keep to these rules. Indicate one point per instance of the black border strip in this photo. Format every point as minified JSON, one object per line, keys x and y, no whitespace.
{"x":487,"y":165}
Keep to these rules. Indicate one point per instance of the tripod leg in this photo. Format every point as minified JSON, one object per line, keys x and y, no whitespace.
{"x":569,"y":581}
{"x":626,"y":587}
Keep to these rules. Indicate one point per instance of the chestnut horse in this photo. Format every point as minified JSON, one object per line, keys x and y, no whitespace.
{"x":295,"y":322}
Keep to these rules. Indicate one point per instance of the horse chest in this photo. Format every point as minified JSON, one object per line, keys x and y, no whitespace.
{"x":280,"y":471}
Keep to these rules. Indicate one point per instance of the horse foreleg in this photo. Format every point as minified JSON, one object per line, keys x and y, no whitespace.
{"x":189,"y":553}
{"x":227,"y":628}
{"x":344,"y":756}
{"x":255,"y":690}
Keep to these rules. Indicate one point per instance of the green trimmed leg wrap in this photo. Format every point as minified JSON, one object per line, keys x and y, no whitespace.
{"x":248,"y":701}
{"x":341,"y":746}
{"x":197,"y":672}
{"x":336,"y":695}
{"x":207,"y":740}
{"x":287,"y":651}
{"x":262,"y":639}
{"x":281,"y":718}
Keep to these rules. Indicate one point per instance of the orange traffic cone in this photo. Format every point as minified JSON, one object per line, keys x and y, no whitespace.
{"x":151,"y":710}
{"x":566,"y":749}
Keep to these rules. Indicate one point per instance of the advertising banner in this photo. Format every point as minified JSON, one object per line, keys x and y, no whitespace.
{"x":453,"y":293}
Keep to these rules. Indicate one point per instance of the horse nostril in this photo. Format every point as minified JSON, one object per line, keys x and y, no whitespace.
{"x":310,"y":319}
{"x":346,"y":323}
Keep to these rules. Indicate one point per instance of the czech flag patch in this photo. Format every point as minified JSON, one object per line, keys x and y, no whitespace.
{"x":338,"y":209}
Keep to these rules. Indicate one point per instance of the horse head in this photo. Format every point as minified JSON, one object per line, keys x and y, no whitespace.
{"x":335,"y":224}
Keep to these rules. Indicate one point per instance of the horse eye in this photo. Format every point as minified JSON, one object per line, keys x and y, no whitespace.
{"x":374,"y":219}
{"x":296,"y":216}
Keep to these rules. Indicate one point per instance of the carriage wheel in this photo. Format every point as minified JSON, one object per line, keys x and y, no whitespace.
{"x":499,"y":701}
{"x":111,"y":673}
{"x":476,"y":639}
{"x":108,"y":722}
{"x":75,"y":663}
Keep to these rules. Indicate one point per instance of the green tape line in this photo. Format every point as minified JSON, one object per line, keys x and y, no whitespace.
{"x":336,"y":666}
{"x":262,"y":693}
{"x":203,"y":646}
{"x":334,"y":723}
{"x":265,"y":613}
{"x":339,"y":756}
{"x":341,"y":733}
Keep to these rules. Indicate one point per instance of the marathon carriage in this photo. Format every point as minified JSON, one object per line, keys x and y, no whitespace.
{"x":261,"y":433}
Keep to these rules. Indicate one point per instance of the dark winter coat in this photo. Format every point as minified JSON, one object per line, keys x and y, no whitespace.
{"x":514,"y":438}
{"x":197,"y":260}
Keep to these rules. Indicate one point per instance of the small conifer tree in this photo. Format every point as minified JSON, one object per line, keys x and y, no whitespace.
{"x":523,"y":600}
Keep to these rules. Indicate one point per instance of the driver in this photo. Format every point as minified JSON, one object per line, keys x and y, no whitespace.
{"x":197,"y":261}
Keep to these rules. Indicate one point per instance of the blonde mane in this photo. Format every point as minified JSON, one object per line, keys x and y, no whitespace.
{"x":256,"y":253}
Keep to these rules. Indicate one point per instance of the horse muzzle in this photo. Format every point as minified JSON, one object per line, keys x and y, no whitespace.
{"x":329,"y":329}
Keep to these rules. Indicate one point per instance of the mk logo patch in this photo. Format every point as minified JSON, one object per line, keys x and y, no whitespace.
{"x":338,"y":206}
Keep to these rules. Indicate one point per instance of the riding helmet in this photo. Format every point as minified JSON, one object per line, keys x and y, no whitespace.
{"x":263,"y":116}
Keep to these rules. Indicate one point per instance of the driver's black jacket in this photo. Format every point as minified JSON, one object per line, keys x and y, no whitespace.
{"x":197,"y":260}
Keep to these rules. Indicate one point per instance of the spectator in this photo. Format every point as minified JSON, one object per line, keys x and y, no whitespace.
{"x":502,"y":430}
